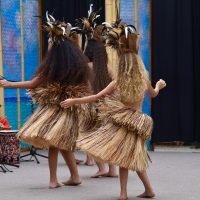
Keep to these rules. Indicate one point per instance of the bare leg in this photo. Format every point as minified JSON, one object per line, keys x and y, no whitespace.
{"x":148,"y":193}
{"x":101,"y":171}
{"x":89,"y":161}
{"x":71,"y":162}
{"x":112,"y":171}
{"x":123,"y":174}
{"x":53,"y":158}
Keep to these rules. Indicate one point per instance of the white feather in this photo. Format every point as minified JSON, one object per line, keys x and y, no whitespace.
{"x":131,"y":29}
{"x":52,"y":18}
{"x":97,"y":16}
{"x":90,"y":11}
{"x":107,"y":24}
{"x":47,"y":16}
{"x":50,"y":24}
{"x":63,"y":30}
{"x":74,"y":28}
{"x":126,"y":32}
{"x":68,"y":24}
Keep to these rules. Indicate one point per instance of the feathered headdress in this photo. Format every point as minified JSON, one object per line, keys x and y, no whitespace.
{"x":88,"y":25}
{"x":57,"y":30}
{"x":121,"y":36}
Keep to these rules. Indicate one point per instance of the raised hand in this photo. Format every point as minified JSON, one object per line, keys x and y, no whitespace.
{"x":161,"y":84}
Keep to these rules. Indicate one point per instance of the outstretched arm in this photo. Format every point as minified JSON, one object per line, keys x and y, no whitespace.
{"x":89,"y":99}
{"x":153,"y":92}
{"x":24,"y":84}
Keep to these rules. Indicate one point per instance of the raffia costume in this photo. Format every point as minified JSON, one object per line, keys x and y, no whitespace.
{"x":121,"y":139}
{"x":51,"y":125}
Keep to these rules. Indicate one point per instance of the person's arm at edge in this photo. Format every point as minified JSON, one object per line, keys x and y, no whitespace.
{"x":89,"y":99}
{"x":23,"y":84}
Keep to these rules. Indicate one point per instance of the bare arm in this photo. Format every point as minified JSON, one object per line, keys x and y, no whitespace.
{"x":153,"y":92}
{"x":89,"y":99}
{"x":24,"y":84}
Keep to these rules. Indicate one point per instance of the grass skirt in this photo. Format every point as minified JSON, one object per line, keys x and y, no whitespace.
{"x":121,"y":139}
{"x":89,"y":121}
{"x":51,"y":125}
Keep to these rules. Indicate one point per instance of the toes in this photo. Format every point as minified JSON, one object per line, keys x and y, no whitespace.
{"x":53,"y":186}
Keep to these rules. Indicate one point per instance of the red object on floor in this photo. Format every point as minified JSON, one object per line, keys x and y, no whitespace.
{"x":4,"y":121}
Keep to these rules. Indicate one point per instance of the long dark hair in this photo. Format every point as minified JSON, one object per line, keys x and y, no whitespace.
{"x":96,"y":53}
{"x":64,"y":63}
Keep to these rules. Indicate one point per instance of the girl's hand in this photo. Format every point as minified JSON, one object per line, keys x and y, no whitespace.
{"x":67,"y":103}
{"x":4,"y":83}
{"x":161,"y":84}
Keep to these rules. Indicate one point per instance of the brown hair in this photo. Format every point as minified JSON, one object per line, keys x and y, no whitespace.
{"x":64,"y":63}
{"x":96,"y":53}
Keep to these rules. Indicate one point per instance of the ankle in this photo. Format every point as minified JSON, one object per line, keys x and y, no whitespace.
{"x":75,"y":177}
{"x":53,"y":180}
{"x":112,"y":171}
{"x":149,"y":190}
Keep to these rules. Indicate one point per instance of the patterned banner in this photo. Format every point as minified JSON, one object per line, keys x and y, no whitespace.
{"x":12,"y":59}
{"x":11,"y":42}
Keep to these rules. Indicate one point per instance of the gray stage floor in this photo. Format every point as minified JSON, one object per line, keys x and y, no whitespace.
{"x":175,"y":175}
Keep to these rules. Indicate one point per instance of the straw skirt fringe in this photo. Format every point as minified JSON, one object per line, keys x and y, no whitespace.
{"x":89,"y":121}
{"x":51,"y":125}
{"x":119,"y":142}
{"x":117,"y":146}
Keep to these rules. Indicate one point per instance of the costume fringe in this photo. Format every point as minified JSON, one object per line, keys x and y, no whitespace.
{"x":53,"y":94}
{"x":116,"y":145}
{"x":51,"y":125}
{"x":118,"y":113}
{"x":89,"y":119}
{"x":121,"y":139}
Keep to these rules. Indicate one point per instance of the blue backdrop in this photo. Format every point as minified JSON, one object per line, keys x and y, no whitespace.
{"x":127,"y":15}
{"x":11,"y":44}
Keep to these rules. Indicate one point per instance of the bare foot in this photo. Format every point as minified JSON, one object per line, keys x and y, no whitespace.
{"x":54,"y":185}
{"x":89,"y":163}
{"x":123,"y":197}
{"x":99,"y":174}
{"x":79,"y":161}
{"x":110,"y":174}
{"x":147,"y":195}
{"x":71,"y":182}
